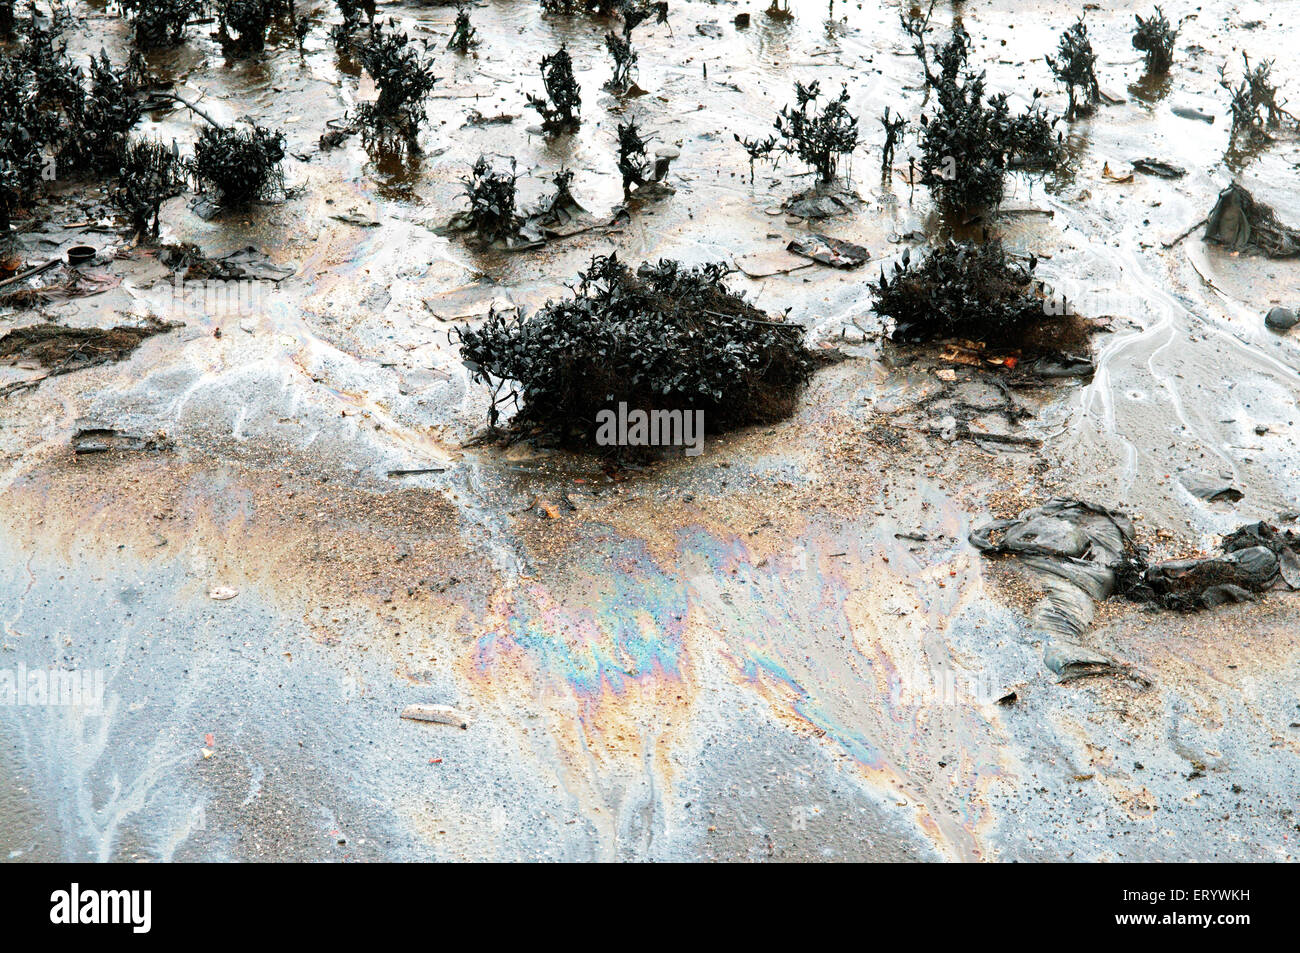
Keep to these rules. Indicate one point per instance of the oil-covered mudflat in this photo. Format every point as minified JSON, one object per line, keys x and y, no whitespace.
{"x":310,"y":545}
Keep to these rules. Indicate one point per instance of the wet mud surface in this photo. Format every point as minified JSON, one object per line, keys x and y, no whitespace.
{"x":784,"y":649}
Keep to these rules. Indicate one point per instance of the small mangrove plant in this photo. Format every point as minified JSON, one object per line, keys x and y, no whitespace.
{"x":818,"y":137}
{"x":404,"y":80}
{"x":1155,"y":37}
{"x":1074,"y":67}
{"x":560,"y":109}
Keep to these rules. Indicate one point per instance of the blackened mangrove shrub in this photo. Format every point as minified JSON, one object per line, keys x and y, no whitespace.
{"x":661,"y":338}
{"x":632,"y":11}
{"x":404,"y":80}
{"x":343,"y":34}
{"x":238,"y":165}
{"x":636,"y":12}
{"x":1254,"y":103}
{"x":151,"y":174}
{"x":961,"y":289}
{"x":463,"y":35}
{"x":159,"y":23}
{"x":818,"y":139}
{"x":633,"y":163}
{"x":492,"y":195}
{"x":24,"y":129}
{"x":969,"y":141}
{"x":57,"y":81}
{"x":53,"y":124}
{"x":1074,"y":66}
{"x":6,"y":18}
{"x":109,"y":112}
{"x":242,"y":25}
{"x":893,"y":129}
{"x":1155,"y":38}
{"x":563,"y":103}
{"x":49,"y":86}
{"x":620,"y":50}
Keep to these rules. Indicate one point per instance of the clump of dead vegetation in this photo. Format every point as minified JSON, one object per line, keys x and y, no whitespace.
{"x":820,"y":138}
{"x":960,"y":289}
{"x":1240,"y":221}
{"x":662,"y":337}
{"x":63,"y":350}
{"x":561,"y":108}
{"x":1075,"y":67}
{"x":239,"y":165}
{"x":1155,"y":37}
{"x":969,"y":140}
{"x":404,"y":80}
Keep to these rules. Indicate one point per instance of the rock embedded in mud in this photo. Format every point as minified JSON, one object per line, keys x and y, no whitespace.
{"x":1281,"y":319}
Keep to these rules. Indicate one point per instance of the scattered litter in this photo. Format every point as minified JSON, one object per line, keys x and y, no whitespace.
{"x":1070,"y":661}
{"x":1191,"y":112}
{"x":223,"y":593}
{"x":1062,"y":365}
{"x":816,"y":203}
{"x":829,"y":251}
{"x":243,"y":265}
{"x":476,"y":118}
{"x":1209,"y":488}
{"x":1119,"y":179}
{"x":80,"y":254}
{"x":357,"y":218}
{"x":1255,"y":558}
{"x":1075,"y":548}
